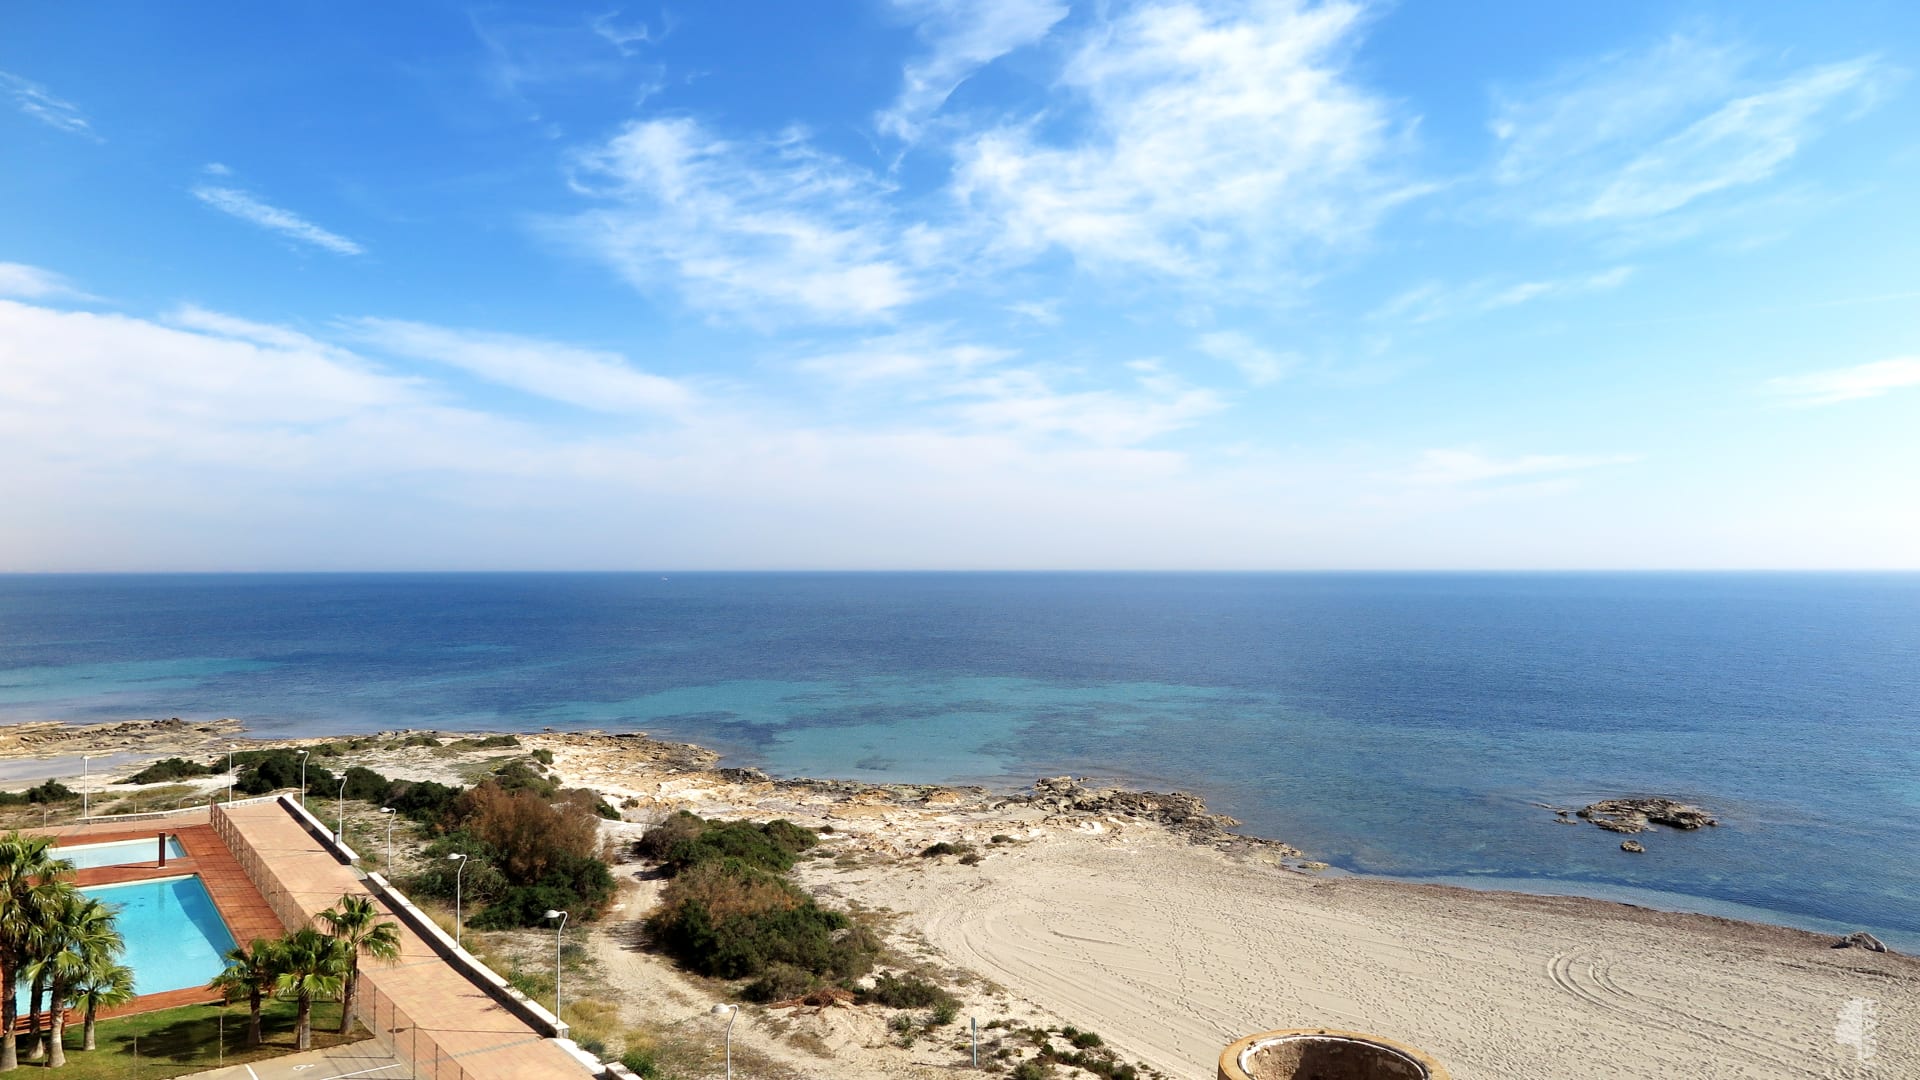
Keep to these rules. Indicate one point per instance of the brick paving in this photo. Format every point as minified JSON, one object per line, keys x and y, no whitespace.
{"x":417,"y":1002}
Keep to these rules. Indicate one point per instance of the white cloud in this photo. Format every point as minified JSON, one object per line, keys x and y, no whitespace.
{"x":1259,"y":364}
{"x":1635,"y":136}
{"x":1836,"y":385}
{"x":1025,"y":401}
{"x":33,"y":283}
{"x":1462,"y":468}
{"x":36,"y":101}
{"x":917,"y":355}
{"x":214,"y":168}
{"x":1433,"y":301}
{"x":624,"y":38}
{"x":761,"y":229}
{"x":589,"y":378}
{"x":1217,"y":144}
{"x":285,"y":222}
{"x":963,"y":36}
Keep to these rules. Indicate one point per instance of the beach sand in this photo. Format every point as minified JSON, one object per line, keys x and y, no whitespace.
{"x":1172,"y":941}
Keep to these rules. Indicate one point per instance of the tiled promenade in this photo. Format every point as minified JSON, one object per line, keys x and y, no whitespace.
{"x":432,"y":1015}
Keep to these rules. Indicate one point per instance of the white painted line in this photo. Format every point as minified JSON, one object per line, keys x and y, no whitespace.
{"x":250,"y":1072}
{"x":362,"y":1072}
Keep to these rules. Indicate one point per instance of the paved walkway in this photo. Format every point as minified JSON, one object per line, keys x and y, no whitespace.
{"x":362,"y":1059}
{"x":419,"y":1002}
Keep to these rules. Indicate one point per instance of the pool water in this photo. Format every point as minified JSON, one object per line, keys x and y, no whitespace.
{"x":88,"y":856}
{"x":174,"y":935}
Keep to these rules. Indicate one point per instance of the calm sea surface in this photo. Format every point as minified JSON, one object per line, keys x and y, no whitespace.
{"x":1400,"y":724}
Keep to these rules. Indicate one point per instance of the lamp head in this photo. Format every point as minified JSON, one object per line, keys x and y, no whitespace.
{"x":722,"y":1010}
{"x":552,"y":914}
{"x":388,"y":810}
{"x":456,"y":857}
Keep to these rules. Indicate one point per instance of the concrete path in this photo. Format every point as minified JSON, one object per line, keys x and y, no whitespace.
{"x":362,"y":1059}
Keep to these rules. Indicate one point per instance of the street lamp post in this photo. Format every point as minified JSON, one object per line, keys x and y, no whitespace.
{"x":86,"y":788}
{"x":389,"y":812}
{"x":303,"y":779}
{"x":734,"y":1011}
{"x":562,"y":916}
{"x":340,"y":830}
{"x":461,"y":858}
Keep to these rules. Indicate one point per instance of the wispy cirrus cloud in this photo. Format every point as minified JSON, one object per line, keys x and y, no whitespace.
{"x":242,"y":205}
{"x":38,"y":102}
{"x":770,"y":229}
{"x":593,"y":379}
{"x":1218,"y":143}
{"x":962,"y":36}
{"x":1461,"y":468}
{"x":1259,"y":364}
{"x":1434,"y":301}
{"x":34,"y":283}
{"x":1633,"y":136}
{"x":1835,"y":385}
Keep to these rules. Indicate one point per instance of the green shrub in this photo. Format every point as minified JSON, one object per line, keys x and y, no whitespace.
{"x":517,"y":775}
{"x":1001,"y":838}
{"x":49,"y":791}
{"x":580,"y":885}
{"x":906,"y":992}
{"x":944,"y":1013}
{"x":641,"y":1062}
{"x":685,"y":840}
{"x":543,"y":756}
{"x":971,"y":858}
{"x":1085,"y":1040}
{"x":174,"y":768}
{"x":779,"y":982}
{"x":1030,"y":1070}
{"x":946,"y":848}
{"x":489,"y":742}
{"x":734,"y":921}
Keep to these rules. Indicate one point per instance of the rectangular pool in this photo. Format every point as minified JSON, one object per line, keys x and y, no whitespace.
{"x":118,"y":852}
{"x":174,"y":935}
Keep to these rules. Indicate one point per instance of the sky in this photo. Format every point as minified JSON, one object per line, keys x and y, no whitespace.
{"x":933,"y":284}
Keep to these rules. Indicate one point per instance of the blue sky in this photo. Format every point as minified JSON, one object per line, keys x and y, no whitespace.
{"x":928,"y":284}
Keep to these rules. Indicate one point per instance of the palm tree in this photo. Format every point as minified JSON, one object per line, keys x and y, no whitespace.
{"x":250,"y":973}
{"x":78,"y":934}
{"x":311,"y":965}
{"x":28,"y":872}
{"x":354,"y":922}
{"x":104,"y":985}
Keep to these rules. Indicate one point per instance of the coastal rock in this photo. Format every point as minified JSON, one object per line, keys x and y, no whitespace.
{"x":1634,"y":846}
{"x":1860,"y":939}
{"x":1637,"y":815}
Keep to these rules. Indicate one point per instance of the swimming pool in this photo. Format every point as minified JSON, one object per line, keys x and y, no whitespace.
{"x":117,"y":852}
{"x":174,"y":935}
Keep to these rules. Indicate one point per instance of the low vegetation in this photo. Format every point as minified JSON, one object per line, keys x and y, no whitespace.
{"x":51,"y":791}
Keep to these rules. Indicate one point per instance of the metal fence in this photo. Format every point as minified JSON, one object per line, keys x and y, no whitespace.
{"x":417,"y":1047}
{"x":286,"y":907}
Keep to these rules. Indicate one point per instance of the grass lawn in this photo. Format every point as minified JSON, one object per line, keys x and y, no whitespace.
{"x":187,"y":1040}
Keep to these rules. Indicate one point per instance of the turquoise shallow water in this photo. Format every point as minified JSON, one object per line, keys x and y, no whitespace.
{"x":1398,"y":724}
{"x":88,"y":856}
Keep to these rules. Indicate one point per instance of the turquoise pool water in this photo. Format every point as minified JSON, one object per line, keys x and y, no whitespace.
{"x":88,"y":856}
{"x":174,"y":935}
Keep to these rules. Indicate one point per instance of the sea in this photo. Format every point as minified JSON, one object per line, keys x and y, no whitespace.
{"x":1409,"y":725}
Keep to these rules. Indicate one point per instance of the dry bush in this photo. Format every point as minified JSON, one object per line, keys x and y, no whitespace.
{"x":528,"y":834}
{"x":727,"y":894}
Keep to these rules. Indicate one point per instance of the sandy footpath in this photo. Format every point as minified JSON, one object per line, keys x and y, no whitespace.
{"x":1135,"y":917}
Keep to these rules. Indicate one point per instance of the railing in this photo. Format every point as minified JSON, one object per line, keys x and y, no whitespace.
{"x":286,"y":907}
{"x":389,"y":1023}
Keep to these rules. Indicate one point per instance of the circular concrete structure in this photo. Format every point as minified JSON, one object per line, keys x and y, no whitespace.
{"x":1325,"y":1054}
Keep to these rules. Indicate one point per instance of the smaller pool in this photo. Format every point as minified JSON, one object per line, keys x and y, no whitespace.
{"x":119,"y":852}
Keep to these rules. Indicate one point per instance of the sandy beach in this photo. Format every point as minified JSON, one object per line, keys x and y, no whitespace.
{"x":1139,"y":920}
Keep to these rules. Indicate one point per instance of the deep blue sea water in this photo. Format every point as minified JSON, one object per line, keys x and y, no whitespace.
{"x":1400,"y":724}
